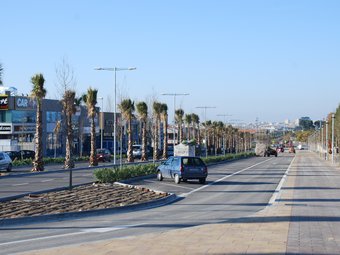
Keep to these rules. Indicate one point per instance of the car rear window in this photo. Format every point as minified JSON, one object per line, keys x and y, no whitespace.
{"x":192,"y":162}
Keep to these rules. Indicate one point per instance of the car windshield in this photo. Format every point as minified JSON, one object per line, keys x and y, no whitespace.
{"x":192,"y":162}
{"x":101,"y":151}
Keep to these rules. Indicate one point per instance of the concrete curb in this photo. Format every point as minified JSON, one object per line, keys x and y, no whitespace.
{"x":91,"y":213}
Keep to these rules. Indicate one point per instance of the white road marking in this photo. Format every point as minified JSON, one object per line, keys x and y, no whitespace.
{"x":221,"y":179}
{"x":48,"y":180}
{"x":173,"y":185}
{"x":83,"y":231}
{"x":278,"y":188}
{"x":20,"y":184}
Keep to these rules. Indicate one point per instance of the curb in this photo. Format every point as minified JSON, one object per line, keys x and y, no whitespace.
{"x":91,"y":213}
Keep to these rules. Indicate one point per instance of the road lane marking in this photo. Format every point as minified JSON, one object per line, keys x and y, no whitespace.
{"x":48,"y":180}
{"x":278,"y":188}
{"x":172,"y":185}
{"x":83,"y":231}
{"x":222,"y":179}
{"x":20,"y":184}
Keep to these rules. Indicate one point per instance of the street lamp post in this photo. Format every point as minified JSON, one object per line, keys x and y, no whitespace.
{"x":101,"y":123}
{"x":333,"y":118}
{"x":326,"y":139}
{"x":115,"y":70}
{"x":174,"y":95}
{"x":205,"y":129}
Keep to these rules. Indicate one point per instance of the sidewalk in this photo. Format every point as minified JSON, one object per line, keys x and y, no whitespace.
{"x":278,"y":229}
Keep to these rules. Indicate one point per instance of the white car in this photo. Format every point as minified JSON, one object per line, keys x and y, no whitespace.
{"x":5,"y":162}
{"x":137,"y":151}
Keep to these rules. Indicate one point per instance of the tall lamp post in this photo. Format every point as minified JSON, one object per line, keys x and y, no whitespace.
{"x":174,"y":95}
{"x":101,"y":123}
{"x":225,"y":123}
{"x":115,"y":70}
{"x":333,"y":118}
{"x":205,"y":130}
{"x":326,"y":139}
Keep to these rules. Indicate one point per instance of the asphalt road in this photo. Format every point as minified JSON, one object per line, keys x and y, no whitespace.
{"x":233,"y":190}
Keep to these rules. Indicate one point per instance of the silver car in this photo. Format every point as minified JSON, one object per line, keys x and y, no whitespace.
{"x":5,"y":162}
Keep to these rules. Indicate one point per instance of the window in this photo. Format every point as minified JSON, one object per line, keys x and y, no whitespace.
{"x":52,"y":117}
{"x":23,"y":116}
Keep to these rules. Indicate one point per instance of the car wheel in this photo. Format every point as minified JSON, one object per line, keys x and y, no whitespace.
{"x":159,"y":176}
{"x":202,"y":180}
{"x":9,"y":168}
{"x":177,"y":179}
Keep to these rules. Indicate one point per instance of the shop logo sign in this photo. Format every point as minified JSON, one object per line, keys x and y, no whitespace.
{"x":3,"y":102}
{"x":5,"y":128}
{"x":25,"y":103}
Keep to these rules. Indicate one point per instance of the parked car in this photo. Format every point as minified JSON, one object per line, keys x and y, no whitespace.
{"x":5,"y":162}
{"x":25,"y":154}
{"x":183,"y":168}
{"x":103,"y":155}
{"x":137,"y":151}
{"x":269,"y":151}
{"x":14,"y":155}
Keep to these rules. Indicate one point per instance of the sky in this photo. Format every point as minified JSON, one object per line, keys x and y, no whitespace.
{"x":270,"y":60}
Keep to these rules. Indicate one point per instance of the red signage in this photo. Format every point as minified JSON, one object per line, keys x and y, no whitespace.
{"x":3,"y":102}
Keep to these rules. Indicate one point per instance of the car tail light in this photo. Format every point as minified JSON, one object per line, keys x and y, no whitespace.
{"x":205,"y":169}
{"x":182,"y":169}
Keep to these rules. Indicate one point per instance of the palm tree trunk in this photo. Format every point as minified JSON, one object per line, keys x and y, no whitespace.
{"x":38,"y":163}
{"x":129,"y":152}
{"x":144,"y":142}
{"x":180,"y":132}
{"x":155,"y":148}
{"x":165,"y":140}
{"x":93,"y":157}
{"x":69,"y":143}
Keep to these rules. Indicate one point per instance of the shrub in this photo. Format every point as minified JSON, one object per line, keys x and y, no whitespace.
{"x":110,"y":175}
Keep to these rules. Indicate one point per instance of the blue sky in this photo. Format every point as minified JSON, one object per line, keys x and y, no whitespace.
{"x":272,"y":60}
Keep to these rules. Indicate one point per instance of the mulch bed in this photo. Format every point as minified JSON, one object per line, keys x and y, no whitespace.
{"x":81,"y":198}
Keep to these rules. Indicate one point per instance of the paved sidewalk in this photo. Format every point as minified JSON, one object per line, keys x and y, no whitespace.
{"x":298,"y":223}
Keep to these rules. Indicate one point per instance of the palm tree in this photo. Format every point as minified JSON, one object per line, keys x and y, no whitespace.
{"x":69,"y":109}
{"x":157,"y":110}
{"x":91,"y":100}
{"x":195,"y":121}
{"x":142,"y":110}
{"x":38,"y":93}
{"x":1,"y":70}
{"x":165,"y":130}
{"x":188,"y":120}
{"x":127,"y":107}
{"x":179,"y":120}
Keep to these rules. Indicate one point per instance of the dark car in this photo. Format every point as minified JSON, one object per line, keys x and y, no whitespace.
{"x":103,"y":155}
{"x":269,"y":151}
{"x":5,"y":162}
{"x":25,"y":154}
{"x":183,"y":168}
{"x":14,"y":155}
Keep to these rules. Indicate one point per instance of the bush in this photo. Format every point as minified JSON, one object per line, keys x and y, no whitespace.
{"x":214,"y":159}
{"x":110,"y":175}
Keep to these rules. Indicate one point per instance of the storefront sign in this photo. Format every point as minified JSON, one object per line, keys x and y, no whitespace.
{"x":28,"y":129}
{"x":25,"y":103}
{"x":3,"y":102}
{"x":6,"y":128}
